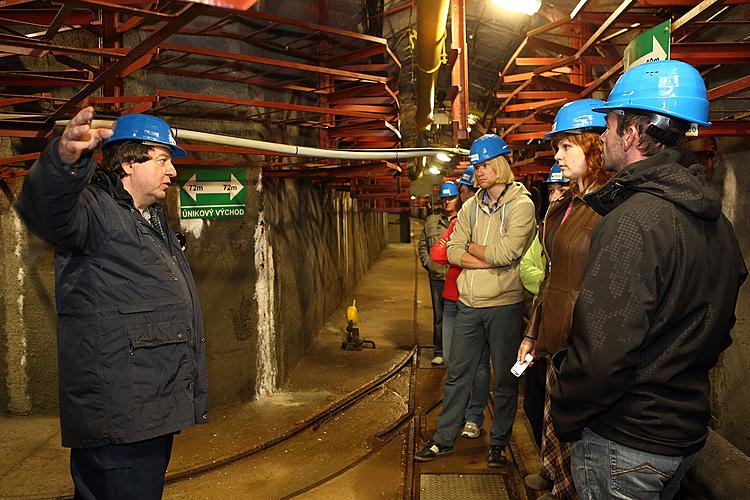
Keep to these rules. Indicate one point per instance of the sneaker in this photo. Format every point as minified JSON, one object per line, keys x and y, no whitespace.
{"x":537,"y":482}
{"x":496,"y":456}
{"x":437,"y":360}
{"x":471,"y":431}
{"x":432,"y":450}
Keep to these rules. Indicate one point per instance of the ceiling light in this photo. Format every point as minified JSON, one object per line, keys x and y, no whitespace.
{"x":528,"y":7}
{"x":434,"y":170}
{"x":577,"y":9}
{"x":443,"y":156}
{"x":413,"y":197}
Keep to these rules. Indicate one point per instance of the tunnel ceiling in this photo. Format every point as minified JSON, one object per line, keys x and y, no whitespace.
{"x":289,"y":72}
{"x":523,"y":68}
{"x":307,"y":71}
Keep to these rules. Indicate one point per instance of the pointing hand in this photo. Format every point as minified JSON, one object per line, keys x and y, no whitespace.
{"x":78,"y":136}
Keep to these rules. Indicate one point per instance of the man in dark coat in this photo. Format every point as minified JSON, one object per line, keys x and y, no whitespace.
{"x":130,"y":341}
{"x":657,"y":302}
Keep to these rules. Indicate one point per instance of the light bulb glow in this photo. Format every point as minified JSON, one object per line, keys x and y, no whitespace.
{"x":443,"y":157}
{"x":528,"y":7}
{"x":577,"y":8}
{"x":434,"y":170}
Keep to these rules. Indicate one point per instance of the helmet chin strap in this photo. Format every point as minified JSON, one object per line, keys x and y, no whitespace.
{"x":667,"y":130}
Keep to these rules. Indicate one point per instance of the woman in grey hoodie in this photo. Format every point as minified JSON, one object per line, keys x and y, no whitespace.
{"x":494,"y":229}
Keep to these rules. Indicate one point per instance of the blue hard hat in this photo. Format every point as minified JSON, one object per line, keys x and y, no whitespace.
{"x":487,"y":147}
{"x":448,"y":189}
{"x":578,"y":117}
{"x":556,"y":175}
{"x":467,"y":178}
{"x":670,"y":88}
{"x":144,"y":128}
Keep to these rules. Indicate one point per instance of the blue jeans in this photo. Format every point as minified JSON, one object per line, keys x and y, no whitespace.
{"x":604,"y":469}
{"x":436,"y":293}
{"x":499,"y":327}
{"x":480,"y":391}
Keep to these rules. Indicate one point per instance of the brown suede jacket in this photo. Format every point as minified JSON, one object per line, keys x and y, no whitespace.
{"x":552,"y":312}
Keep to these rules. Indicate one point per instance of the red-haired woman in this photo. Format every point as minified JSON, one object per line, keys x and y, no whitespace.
{"x":565,"y":234}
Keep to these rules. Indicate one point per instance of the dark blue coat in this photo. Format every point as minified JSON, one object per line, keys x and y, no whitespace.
{"x":130,"y":340}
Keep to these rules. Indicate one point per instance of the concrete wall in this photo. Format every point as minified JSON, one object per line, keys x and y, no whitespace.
{"x":28,"y":363}
{"x":321,"y":247}
{"x":731,"y":391}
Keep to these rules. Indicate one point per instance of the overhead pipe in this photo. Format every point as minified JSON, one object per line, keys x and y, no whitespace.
{"x":432,"y":18}
{"x":274,"y":147}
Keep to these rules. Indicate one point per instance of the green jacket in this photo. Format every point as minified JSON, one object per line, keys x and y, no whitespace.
{"x":532,"y":267}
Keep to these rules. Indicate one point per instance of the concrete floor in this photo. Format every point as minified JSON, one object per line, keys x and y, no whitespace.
{"x":339,"y":458}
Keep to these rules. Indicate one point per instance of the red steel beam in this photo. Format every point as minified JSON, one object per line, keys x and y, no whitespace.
{"x":540,"y":43}
{"x":315,"y":27}
{"x":185,"y":16}
{"x":726,"y":127}
{"x":11,"y":160}
{"x":729,"y":88}
{"x":524,"y":137}
{"x":58,"y":21}
{"x":44,"y":17}
{"x":697,"y":53}
{"x":9,"y":129}
{"x":259,"y":82}
{"x":531,"y":106}
{"x":512,"y":120}
{"x":124,"y":9}
{"x":264,"y":104}
{"x":539,"y":61}
{"x":266,"y":61}
{"x":520,"y":122}
{"x":538,"y":94}
{"x":44,"y":78}
{"x":20,"y":41}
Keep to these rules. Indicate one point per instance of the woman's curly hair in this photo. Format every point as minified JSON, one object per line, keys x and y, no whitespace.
{"x":595,"y":175}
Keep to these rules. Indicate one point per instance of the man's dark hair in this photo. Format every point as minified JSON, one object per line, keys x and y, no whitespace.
{"x":656,"y":131}
{"x":120,"y":152}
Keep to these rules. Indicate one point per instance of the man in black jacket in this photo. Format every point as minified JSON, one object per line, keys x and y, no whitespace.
{"x":130,"y":341}
{"x":657,"y":302}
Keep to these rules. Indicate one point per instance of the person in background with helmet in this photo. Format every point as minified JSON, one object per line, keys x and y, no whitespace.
{"x":556,"y":182}
{"x":495,"y":227}
{"x":434,"y":226}
{"x":564,"y":234}
{"x":466,"y":187}
{"x":658,"y":297}
{"x":531,"y":270}
{"x":474,"y":414}
{"x":131,"y":353}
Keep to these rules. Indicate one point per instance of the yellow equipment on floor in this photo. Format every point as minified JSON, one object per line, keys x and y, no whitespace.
{"x":353,"y":342}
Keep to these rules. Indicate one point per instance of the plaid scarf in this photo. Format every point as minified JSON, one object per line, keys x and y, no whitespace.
{"x":154,"y":219}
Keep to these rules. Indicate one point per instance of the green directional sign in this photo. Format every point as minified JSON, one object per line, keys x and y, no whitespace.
{"x":651,"y":45}
{"x":212,"y":194}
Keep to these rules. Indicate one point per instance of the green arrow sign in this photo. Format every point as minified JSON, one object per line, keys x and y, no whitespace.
{"x":212,"y":194}
{"x":651,"y":45}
